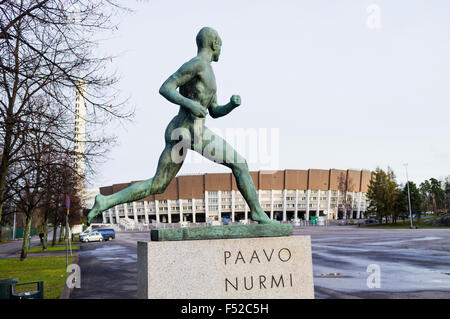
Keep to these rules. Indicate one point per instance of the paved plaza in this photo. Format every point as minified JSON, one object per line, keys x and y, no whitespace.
{"x":412,"y":263}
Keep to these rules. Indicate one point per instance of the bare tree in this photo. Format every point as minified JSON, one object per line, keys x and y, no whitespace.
{"x":44,"y":171}
{"x":344,"y":184}
{"x":29,"y":168}
{"x":447,"y":193}
{"x":46,"y":48}
{"x":60,"y":177}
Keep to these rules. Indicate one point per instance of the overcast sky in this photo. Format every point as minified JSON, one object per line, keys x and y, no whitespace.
{"x":333,"y":83}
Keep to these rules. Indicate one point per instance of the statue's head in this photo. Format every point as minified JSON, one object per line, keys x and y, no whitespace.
{"x":208,"y":38}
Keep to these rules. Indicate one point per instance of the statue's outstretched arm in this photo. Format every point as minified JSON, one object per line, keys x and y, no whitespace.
{"x":221,"y":110}
{"x":183,"y":75}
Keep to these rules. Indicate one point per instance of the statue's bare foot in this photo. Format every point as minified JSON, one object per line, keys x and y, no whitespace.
{"x":262,"y":218}
{"x":99,"y":207}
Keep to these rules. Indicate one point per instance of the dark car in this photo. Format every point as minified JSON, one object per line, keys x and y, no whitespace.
{"x":108,"y":234}
{"x":226,"y":220}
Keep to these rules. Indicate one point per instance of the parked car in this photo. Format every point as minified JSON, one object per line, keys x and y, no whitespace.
{"x":108,"y":234}
{"x":85,"y":232}
{"x":81,"y":236}
{"x":372,"y":221}
{"x":92,"y":236}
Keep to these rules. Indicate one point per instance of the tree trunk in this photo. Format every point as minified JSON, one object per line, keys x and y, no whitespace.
{"x":1,"y":210}
{"x":7,"y":139}
{"x":3,"y":172}
{"x":61,"y":232}
{"x":434,"y":204}
{"x":45,"y":231}
{"x":26,"y":237}
{"x":55,"y":230}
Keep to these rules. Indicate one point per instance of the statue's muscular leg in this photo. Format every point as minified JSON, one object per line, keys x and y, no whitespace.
{"x":216,"y":149}
{"x":167,"y":169}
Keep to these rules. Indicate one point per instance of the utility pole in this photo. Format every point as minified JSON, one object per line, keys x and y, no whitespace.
{"x":409,"y":196}
{"x":67,"y":231}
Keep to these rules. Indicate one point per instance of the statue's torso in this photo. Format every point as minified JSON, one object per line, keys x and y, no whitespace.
{"x":202,"y":88}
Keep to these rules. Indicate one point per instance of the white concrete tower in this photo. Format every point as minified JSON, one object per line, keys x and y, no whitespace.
{"x":80,"y":133}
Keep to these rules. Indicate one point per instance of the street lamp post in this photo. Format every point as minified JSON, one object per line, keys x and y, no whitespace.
{"x":409,"y":196}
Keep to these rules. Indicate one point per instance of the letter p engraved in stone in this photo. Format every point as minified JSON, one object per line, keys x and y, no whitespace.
{"x":226,"y":255}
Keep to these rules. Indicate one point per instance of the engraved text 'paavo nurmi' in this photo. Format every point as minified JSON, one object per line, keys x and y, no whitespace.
{"x":258,"y":281}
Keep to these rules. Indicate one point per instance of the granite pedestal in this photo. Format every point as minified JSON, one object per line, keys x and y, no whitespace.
{"x":245,"y":268}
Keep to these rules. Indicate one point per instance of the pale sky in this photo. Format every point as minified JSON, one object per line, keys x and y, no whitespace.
{"x":339,"y":93}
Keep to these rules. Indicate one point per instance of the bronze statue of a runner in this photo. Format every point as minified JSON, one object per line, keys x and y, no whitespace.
{"x":196,"y":96}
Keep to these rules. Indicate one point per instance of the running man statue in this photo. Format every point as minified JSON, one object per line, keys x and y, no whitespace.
{"x":196,"y":96}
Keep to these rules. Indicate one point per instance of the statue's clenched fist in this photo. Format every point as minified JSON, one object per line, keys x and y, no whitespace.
{"x":235,"y":100}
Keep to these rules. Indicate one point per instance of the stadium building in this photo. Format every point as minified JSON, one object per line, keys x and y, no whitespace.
{"x":284,"y":195}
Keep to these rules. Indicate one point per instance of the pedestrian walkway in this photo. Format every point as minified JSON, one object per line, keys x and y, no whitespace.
{"x":12,"y":249}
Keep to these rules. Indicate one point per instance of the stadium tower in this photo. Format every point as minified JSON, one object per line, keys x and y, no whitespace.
{"x":80,"y":134}
{"x":87,"y":195}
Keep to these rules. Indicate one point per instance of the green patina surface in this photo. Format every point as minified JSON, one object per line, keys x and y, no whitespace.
{"x":221,"y":232}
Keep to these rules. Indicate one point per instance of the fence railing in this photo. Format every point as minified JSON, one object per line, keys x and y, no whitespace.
{"x":7,"y":233}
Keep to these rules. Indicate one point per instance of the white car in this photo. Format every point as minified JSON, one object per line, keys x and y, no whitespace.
{"x":92,"y":236}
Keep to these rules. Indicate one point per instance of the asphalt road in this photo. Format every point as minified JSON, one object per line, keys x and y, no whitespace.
{"x":411,"y":263}
{"x":108,"y":269}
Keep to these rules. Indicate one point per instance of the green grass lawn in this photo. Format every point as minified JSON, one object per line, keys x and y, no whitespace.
{"x":50,"y":248}
{"x":76,"y":240}
{"x":49,"y":269}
